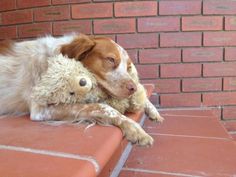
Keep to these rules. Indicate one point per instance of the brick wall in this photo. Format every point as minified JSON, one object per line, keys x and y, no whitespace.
{"x":185,"y":47}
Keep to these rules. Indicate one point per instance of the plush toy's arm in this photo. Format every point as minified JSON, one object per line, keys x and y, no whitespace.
{"x":152,"y":112}
{"x":101,"y":113}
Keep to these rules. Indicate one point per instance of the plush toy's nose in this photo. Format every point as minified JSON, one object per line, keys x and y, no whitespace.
{"x":82,"y":82}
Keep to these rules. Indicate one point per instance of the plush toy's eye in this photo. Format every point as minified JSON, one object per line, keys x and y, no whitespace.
{"x":82,"y":82}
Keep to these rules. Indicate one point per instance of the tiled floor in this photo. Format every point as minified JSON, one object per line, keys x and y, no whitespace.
{"x":189,"y":143}
{"x":36,"y":149}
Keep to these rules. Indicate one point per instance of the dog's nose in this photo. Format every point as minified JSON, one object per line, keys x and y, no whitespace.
{"x":131,"y":87}
{"x":82,"y":82}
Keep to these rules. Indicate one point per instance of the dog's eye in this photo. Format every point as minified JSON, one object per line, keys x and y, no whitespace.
{"x":111,"y":60}
{"x":129,"y":68}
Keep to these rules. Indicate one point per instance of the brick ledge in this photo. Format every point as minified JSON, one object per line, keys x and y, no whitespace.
{"x":64,"y":150}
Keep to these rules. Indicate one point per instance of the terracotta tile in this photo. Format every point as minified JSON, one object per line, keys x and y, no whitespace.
{"x":109,"y":167}
{"x":189,"y":126}
{"x":192,"y":156}
{"x":143,"y":174}
{"x":16,"y":164}
{"x":70,"y":139}
{"x":230,"y":125}
{"x":99,"y":142}
{"x":187,"y":112}
{"x":233,"y":136}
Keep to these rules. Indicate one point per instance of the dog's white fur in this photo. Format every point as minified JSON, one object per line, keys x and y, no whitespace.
{"x":21,"y":68}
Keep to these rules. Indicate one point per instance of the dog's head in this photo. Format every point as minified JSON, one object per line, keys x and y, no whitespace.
{"x":109,"y":62}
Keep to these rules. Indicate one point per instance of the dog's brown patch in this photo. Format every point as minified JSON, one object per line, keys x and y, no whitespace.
{"x":5,"y":47}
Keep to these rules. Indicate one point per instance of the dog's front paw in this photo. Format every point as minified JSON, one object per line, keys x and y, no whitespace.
{"x":155,"y":116}
{"x":152,"y":113}
{"x":135,"y":134}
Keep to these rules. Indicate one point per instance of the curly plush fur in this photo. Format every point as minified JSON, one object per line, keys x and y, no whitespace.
{"x":60,"y":84}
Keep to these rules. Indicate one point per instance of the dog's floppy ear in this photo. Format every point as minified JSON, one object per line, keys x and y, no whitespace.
{"x":79,"y":47}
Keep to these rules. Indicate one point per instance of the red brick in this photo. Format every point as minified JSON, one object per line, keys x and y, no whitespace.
{"x":32,"y":3}
{"x":147,"y":71}
{"x":126,"y":9}
{"x":216,"y":111}
{"x":233,"y":136}
{"x":180,"y":70}
{"x":7,"y":5}
{"x":96,"y":10}
{"x":8,"y":32}
{"x":34,"y":30}
{"x":114,"y":26}
{"x":138,"y":40}
{"x":230,"y":126}
{"x":154,"y":99}
{"x":180,"y":39}
{"x":229,"y":112}
{"x":180,"y":100}
{"x":219,"y":98}
{"x":179,"y":7}
{"x":230,"y":53}
{"x":219,"y":69}
{"x":103,"y":0}
{"x":219,"y":7}
{"x":200,"y":23}
{"x":52,"y":13}
{"x":153,"y":24}
{"x":111,"y":36}
{"x":230,"y":23}
{"x":16,"y":17}
{"x":133,"y":54}
{"x":230,"y":83}
{"x":69,"y":1}
{"x":83,"y":26}
{"x":202,"y":54}
{"x":169,"y":55}
{"x":202,"y":84}
{"x":220,"y":38}
{"x":168,"y":86}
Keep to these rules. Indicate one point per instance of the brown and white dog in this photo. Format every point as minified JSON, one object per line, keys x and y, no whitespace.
{"x":22,"y":63}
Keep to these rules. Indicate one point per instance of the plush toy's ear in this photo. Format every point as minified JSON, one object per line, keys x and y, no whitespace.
{"x":78,"y":48}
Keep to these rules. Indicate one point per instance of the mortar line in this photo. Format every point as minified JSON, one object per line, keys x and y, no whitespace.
{"x":189,"y":136}
{"x":159,"y":172}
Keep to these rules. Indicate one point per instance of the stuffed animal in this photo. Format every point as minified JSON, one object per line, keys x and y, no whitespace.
{"x":67,"y":81}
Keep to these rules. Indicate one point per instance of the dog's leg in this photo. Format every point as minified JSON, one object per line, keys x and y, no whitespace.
{"x":152,"y":112}
{"x":101,"y":113}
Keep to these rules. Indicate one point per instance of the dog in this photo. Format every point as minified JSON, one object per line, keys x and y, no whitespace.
{"x":22,"y":64}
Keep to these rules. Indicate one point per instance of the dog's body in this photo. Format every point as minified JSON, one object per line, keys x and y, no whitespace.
{"x":22,"y":64}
